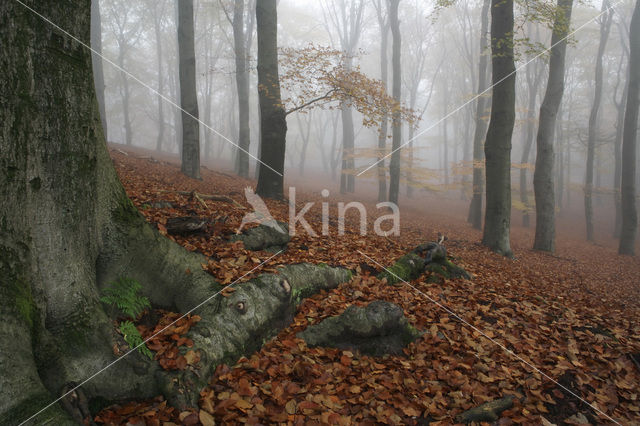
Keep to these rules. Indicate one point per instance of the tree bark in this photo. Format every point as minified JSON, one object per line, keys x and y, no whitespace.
{"x":628,"y":190}
{"x":96,"y":60}
{"x":242,"y":84}
{"x":497,"y":148}
{"x":273,"y":124}
{"x":605,"y":26}
{"x":394,"y":164}
{"x":188,"y":91}
{"x":543,"y":175}
{"x":69,"y":229}
{"x":475,"y":207}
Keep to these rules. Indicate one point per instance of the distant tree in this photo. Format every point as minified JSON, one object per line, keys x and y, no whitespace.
{"x":605,"y":27}
{"x":620,"y":102}
{"x":543,"y":175}
{"x":346,"y":18}
{"x":383,"y":23}
{"x":475,"y":208}
{"x":394,"y":164}
{"x":241,"y":42}
{"x":188,"y":93}
{"x":96,"y":60}
{"x":273,"y":123}
{"x":158,"y":11}
{"x":628,"y":189}
{"x":497,"y":148}
{"x":127,"y":32}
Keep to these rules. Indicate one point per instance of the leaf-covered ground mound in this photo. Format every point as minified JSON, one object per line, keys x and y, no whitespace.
{"x":573,"y":315}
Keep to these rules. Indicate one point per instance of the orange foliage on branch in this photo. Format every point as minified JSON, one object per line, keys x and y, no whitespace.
{"x":317,"y":76}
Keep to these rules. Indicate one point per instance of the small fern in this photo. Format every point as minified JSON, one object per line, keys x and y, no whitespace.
{"x":133,"y":338}
{"x":124,"y":294}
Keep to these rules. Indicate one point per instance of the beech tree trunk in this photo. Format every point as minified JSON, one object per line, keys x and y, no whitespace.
{"x":497,"y":149}
{"x":628,"y":189}
{"x":242,"y":84}
{"x":68,"y":230}
{"x":273,"y":123}
{"x":394,"y":164}
{"x":543,"y":176}
{"x":96,"y":60}
{"x":188,"y":91}
{"x":605,"y":26}
{"x":475,"y":207}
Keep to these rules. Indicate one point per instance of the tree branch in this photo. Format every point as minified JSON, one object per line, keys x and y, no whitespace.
{"x":312,"y":101}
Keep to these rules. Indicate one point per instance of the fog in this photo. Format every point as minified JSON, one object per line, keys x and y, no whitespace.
{"x":440,"y":53}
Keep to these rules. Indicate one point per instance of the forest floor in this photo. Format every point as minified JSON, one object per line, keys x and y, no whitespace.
{"x":573,"y":315}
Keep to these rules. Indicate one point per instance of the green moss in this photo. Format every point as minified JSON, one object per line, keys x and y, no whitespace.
{"x":24,"y":303}
{"x":126,"y":213}
{"x":406,"y":268}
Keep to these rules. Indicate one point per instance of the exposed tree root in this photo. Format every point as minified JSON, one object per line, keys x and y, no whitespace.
{"x":487,"y":412}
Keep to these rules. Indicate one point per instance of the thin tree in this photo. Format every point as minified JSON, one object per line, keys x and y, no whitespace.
{"x":347,"y":18}
{"x":475,"y":208}
{"x":543,"y":175}
{"x":188,"y":93}
{"x":628,"y":189}
{"x":605,"y":27}
{"x":620,"y":105}
{"x":242,"y":85}
{"x":497,"y":149}
{"x":394,"y":164}
{"x":383,"y":23}
{"x":158,"y":8}
{"x":273,"y":123}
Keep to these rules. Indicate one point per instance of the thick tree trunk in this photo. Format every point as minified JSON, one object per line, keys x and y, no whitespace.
{"x":69,"y":229}
{"x":96,"y":60}
{"x":628,"y":189}
{"x":273,"y":124}
{"x":394,"y":164}
{"x":475,"y":208}
{"x":543,"y":175}
{"x":188,"y":91}
{"x":605,"y":26}
{"x":242,"y":84}
{"x":497,"y":148}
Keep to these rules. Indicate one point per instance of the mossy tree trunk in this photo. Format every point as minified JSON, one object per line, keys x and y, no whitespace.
{"x":273,"y":121}
{"x":543,"y":175}
{"x":68,"y":229}
{"x":497,"y":149}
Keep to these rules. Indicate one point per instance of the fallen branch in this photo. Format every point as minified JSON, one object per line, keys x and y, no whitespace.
{"x":200,"y":197}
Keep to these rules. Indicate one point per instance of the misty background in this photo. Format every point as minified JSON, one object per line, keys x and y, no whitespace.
{"x":440,"y":55}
